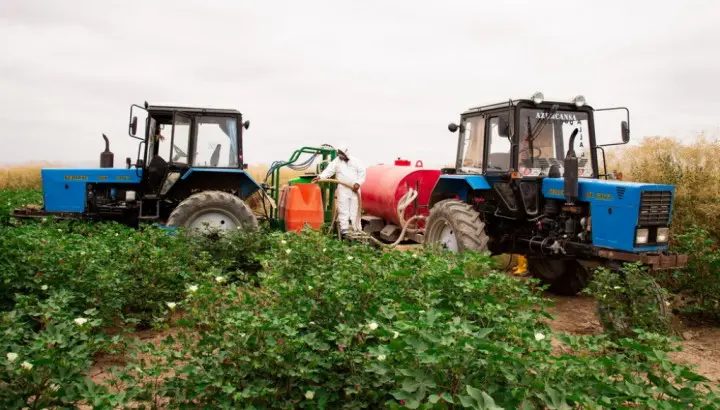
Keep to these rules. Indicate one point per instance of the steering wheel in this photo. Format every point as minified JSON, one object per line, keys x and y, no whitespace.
{"x":539,"y":155}
{"x":178,"y":153}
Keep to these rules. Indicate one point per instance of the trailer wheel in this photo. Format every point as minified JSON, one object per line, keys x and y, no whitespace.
{"x":565,"y":277}
{"x":212,"y":213}
{"x":456,"y":226}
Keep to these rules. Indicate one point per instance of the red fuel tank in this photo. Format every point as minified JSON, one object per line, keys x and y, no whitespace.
{"x":385,"y":185}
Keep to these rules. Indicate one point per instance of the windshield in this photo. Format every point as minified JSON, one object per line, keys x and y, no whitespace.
{"x":216,"y":143}
{"x":551,"y":142}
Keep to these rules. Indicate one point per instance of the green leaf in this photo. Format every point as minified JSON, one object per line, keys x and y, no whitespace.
{"x":433,"y":398}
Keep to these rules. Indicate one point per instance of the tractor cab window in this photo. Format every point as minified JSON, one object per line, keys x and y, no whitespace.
{"x":216,"y":142}
{"x":181,"y":140}
{"x":159,"y":140}
{"x":472,"y":144}
{"x":499,"y":149}
{"x":551,"y":141}
{"x":162,"y":137}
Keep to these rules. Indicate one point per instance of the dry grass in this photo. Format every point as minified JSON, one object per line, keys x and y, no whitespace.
{"x":23,"y":177}
{"x":694,"y":169}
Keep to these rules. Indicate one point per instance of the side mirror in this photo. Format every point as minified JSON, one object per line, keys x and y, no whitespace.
{"x":246,"y":124}
{"x":503,"y":127}
{"x":452,"y":127}
{"x":133,"y":126}
{"x":128,"y":162}
{"x":625,"y":130}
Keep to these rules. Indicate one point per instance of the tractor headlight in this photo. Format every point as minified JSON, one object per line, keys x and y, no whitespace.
{"x":641,"y":236}
{"x":663,"y":234}
{"x":579,"y":101}
{"x":538,"y":97}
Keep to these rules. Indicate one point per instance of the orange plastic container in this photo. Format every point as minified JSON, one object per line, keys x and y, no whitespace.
{"x":303,"y":205}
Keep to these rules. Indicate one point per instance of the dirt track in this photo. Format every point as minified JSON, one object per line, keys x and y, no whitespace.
{"x":701,"y":347}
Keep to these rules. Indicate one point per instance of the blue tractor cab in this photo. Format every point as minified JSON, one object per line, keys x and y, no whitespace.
{"x":527,"y":180}
{"x":189,"y":172}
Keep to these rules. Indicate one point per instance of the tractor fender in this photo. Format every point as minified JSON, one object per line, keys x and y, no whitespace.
{"x":452,"y":186}
{"x":215,"y":179}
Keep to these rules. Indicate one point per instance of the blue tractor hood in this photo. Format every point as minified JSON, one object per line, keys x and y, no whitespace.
{"x":65,"y":189}
{"x":618,"y":208}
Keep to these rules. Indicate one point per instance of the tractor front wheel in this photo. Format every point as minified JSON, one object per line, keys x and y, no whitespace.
{"x":212,"y":213}
{"x":455,"y":226}
{"x":565,"y":277}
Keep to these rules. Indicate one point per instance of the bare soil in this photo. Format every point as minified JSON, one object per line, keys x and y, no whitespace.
{"x":700,"y":347}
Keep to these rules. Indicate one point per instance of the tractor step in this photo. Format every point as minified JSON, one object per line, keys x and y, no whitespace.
{"x":146,"y":217}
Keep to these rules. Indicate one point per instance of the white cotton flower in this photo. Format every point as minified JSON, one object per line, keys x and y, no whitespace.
{"x":80,"y":321}
{"x":349,"y":258}
{"x":193,"y":288}
{"x":26,"y":365}
{"x":309,"y":394}
{"x":381,"y":357}
{"x":44,"y":287}
{"x":171,"y":305}
{"x":539,"y":336}
{"x":616,"y":287}
{"x":220,"y":279}
{"x":284,"y":242}
{"x":310,"y":287}
{"x":324,"y":249}
{"x":12,"y":356}
{"x":396,"y":334}
{"x":373,"y":325}
{"x":414,"y":255}
{"x":288,"y":251}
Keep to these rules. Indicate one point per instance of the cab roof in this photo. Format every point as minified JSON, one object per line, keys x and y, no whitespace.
{"x":170,"y":109}
{"x":563,"y":105}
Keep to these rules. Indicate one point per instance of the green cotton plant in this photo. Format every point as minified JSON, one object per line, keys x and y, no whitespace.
{"x":128,"y":275}
{"x":47,"y":351}
{"x":629,"y":299}
{"x":698,"y":284}
{"x":335,"y":325}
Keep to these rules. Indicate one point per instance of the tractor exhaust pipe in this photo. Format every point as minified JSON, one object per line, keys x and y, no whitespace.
{"x":107,"y":158}
{"x":571,"y":171}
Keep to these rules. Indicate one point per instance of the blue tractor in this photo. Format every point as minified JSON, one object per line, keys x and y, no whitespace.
{"x":189,"y":172}
{"x":528,"y":181}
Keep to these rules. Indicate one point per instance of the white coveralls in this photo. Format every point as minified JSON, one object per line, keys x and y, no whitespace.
{"x":350,"y":172}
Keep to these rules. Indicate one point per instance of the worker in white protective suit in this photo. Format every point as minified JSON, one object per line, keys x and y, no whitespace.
{"x":351,"y":171}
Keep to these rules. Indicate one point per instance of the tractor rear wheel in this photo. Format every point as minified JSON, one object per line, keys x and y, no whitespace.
{"x":212,"y":213}
{"x":456,"y":226}
{"x":565,"y":277}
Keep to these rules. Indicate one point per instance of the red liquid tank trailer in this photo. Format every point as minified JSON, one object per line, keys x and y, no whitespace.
{"x":385,"y":186}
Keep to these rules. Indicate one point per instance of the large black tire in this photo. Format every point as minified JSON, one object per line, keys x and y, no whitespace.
{"x":564,"y":277}
{"x":227,"y":211}
{"x":464,"y":223}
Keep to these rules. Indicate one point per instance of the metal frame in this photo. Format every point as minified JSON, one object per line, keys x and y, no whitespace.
{"x":328,"y":192}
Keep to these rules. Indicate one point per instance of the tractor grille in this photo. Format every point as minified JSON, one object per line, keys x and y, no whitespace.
{"x":655,"y":208}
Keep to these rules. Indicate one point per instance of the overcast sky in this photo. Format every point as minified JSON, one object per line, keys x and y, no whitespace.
{"x":384,"y":76}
